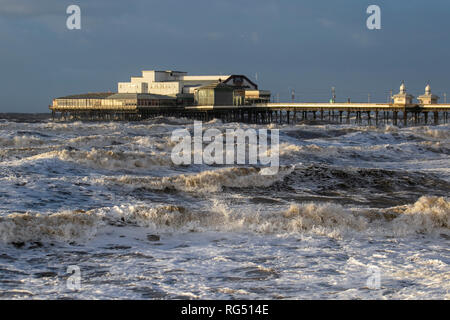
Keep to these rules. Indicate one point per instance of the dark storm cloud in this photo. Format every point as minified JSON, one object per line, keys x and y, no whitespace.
{"x":25,"y":9}
{"x":306,"y":45}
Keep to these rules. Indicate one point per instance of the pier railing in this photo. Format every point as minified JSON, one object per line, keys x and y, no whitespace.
{"x":360,"y":113}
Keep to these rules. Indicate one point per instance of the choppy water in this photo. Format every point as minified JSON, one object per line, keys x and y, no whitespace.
{"x":106,"y":197}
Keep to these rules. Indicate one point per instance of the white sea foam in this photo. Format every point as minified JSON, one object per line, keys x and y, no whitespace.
{"x":107,"y":159}
{"x":208,"y":181}
{"x":427,"y":215}
{"x":62,"y":226}
{"x":438,"y":132}
{"x":309,"y":232}
{"x":20,"y":141}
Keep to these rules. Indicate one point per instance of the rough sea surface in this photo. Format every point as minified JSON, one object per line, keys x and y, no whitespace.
{"x":105,"y":196}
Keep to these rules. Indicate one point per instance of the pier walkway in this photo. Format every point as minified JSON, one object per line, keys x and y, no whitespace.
{"x":360,"y":113}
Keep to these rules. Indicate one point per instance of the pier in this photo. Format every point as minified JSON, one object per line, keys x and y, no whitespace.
{"x":235,"y":98}
{"x":281,"y":113}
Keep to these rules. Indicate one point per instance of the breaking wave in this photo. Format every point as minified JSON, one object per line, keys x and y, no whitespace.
{"x":345,"y":179}
{"x":21,"y":141}
{"x":427,"y":215}
{"x":62,"y":226}
{"x":424,"y":216}
{"x":108,"y":159}
{"x":208,"y":181}
{"x":437,"y":132}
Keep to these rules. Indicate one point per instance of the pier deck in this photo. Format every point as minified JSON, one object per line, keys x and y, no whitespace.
{"x":360,"y":113}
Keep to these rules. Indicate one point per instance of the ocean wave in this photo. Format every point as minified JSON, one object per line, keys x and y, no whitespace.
{"x":441,"y":132}
{"x":96,"y":141}
{"x":61,"y":226}
{"x":108,"y":159}
{"x":220,"y":217}
{"x":326,"y":178}
{"x":424,"y":216}
{"x":288,"y":149}
{"x":21,"y":141}
{"x":157,"y":143}
{"x":379,"y":151}
{"x":427,"y":215}
{"x":208,"y":181}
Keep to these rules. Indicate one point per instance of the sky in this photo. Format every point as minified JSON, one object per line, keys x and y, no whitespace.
{"x":305,"y":45}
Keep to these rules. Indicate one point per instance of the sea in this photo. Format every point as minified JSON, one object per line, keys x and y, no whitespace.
{"x":98,"y":210}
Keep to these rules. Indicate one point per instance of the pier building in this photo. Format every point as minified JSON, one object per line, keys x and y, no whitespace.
{"x":236,"y":98}
{"x":428,"y":97}
{"x":403,"y":98}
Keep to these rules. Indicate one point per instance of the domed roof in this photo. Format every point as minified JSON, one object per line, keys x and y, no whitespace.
{"x":428,"y":89}
{"x":403,"y":88}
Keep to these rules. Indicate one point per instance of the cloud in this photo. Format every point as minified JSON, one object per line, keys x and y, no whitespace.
{"x":362,"y":39}
{"x":39,"y":8}
{"x":253,"y":37}
{"x":28,"y":8}
{"x":327,"y":23}
{"x":252,"y":8}
{"x":214,"y":35}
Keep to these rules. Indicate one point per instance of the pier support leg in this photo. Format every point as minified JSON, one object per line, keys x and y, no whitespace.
{"x":405,"y":118}
{"x":436,"y":118}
